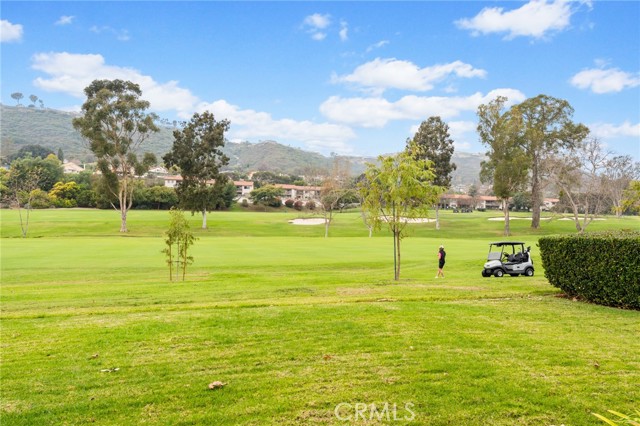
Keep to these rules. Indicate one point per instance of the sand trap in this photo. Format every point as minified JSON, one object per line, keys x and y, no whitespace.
{"x":595,"y":218}
{"x":516,"y":218}
{"x":312,"y":221}
{"x":415,"y":220}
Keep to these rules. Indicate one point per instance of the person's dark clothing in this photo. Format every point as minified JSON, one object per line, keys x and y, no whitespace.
{"x":441,"y":258}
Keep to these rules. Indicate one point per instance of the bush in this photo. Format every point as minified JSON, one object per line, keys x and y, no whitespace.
{"x":298,"y":205}
{"x":602,"y":267}
{"x":289,"y":203}
{"x":245,"y":202}
{"x":311,"y":205}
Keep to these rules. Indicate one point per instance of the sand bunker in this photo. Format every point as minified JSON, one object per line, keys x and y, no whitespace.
{"x":311,"y":221}
{"x":516,"y":218}
{"x":415,"y":220}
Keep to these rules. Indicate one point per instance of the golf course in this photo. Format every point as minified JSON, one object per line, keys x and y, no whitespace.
{"x":298,"y":328}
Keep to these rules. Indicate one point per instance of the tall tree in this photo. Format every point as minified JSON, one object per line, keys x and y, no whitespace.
{"x":197,"y":151}
{"x":335,"y":190}
{"x":396,"y":191}
{"x":545,"y":129}
{"x":631,"y":197}
{"x":17,"y":96}
{"x":33,"y":99}
{"x":115,"y":122}
{"x":579,"y":174}
{"x":618,"y":173}
{"x":507,"y":164}
{"x":432,"y":142}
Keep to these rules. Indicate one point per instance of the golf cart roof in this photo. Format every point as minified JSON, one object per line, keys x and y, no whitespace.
{"x":507,"y":243}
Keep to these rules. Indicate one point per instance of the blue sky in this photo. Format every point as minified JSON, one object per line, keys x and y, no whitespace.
{"x":347,"y":77}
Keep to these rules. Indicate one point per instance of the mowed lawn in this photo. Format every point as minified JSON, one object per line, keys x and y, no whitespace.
{"x":302,"y":329}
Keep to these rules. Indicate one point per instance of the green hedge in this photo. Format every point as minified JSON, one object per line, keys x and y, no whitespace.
{"x":602,"y":268}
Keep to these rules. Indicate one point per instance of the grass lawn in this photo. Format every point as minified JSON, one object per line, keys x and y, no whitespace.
{"x":303,"y":329}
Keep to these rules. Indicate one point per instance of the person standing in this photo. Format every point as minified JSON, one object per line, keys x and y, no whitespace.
{"x":441,"y":261}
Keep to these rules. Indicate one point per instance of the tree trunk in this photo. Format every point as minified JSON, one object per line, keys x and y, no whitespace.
{"x":535,"y":198}
{"x":507,"y":227}
{"x":396,"y":237}
{"x":204,"y":218}
{"x":437,"y":216}
{"x":123,"y":218}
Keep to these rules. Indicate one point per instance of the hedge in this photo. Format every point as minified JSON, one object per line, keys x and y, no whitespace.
{"x":602,"y":268}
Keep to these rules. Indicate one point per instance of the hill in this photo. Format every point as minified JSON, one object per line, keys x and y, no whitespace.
{"x":20,"y":126}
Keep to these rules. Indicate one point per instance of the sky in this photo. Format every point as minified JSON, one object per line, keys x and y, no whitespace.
{"x":353,"y":78}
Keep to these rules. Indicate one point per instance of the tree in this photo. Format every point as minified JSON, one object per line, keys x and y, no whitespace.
{"x":33,"y":99}
{"x":619,"y":172}
{"x":197,"y":152}
{"x":178,"y":240}
{"x":19,"y":192}
{"x":60,"y":155}
{"x":396,"y":191}
{"x":631,"y":200}
{"x":48,"y":170}
{"x":268,"y":195}
{"x":116,"y":124}
{"x":432,"y":142}
{"x":335,"y":189}
{"x":507,"y":164}
{"x":578,"y":173}
{"x":17,"y":96}
{"x":31,"y":151}
{"x":545,"y":127}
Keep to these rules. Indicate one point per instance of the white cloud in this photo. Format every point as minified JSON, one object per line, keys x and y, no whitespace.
{"x":377,"y":111}
{"x":10,"y":32}
{"x":344,"y":31}
{"x":600,"y":80}
{"x":381,"y":74}
{"x":121,"y":35}
{"x":377,"y":45}
{"x":71,"y":73}
{"x":316,"y":24}
{"x":535,"y":19}
{"x":247,"y":124}
{"x":65,"y":20}
{"x":610,"y":131}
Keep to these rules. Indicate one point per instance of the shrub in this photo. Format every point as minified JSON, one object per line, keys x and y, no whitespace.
{"x":289,"y":203}
{"x":602,"y":267}
{"x":245,"y":202}
{"x":311,"y":205}
{"x":298,"y":205}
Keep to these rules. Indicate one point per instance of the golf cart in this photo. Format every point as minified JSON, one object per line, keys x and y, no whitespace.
{"x":508,"y":257}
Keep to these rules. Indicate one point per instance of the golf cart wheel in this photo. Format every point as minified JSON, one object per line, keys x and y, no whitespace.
{"x":498,"y":273}
{"x":529,"y":272}
{"x":485,"y":274}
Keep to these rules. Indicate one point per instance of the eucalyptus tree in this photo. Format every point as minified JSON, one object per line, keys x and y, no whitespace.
{"x":197,"y":152}
{"x":619,"y":172}
{"x":116,"y":124}
{"x":506,"y":167}
{"x":579,"y":173}
{"x":432,"y":142}
{"x":545,"y":128}
{"x":17,"y":96}
{"x":395,"y":192}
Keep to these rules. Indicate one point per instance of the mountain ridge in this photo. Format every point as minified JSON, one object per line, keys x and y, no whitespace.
{"x":53,"y":129}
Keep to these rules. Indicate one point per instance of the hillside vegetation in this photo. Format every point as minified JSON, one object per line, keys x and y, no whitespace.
{"x":52,"y":129}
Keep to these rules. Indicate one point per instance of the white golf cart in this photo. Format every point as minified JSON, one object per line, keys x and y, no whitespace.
{"x":508,"y":257}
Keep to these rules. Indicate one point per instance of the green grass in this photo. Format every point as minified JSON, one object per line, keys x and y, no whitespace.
{"x":296,"y":324}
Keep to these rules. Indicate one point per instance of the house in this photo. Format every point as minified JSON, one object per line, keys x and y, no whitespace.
{"x":158,"y":171}
{"x":454,"y":201}
{"x":72,"y":168}
{"x":243,"y":187}
{"x":297,"y":192}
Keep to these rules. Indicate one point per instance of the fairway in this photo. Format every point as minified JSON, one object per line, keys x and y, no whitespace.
{"x":303,"y":330}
